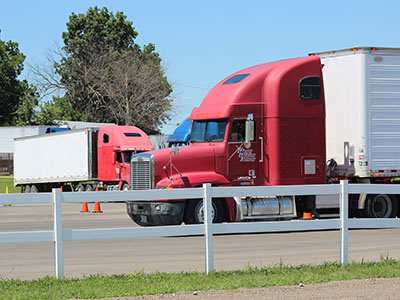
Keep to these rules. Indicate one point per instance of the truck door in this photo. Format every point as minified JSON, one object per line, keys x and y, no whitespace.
{"x":119,"y":165}
{"x":243,"y":158}
{"x":122,"y":164}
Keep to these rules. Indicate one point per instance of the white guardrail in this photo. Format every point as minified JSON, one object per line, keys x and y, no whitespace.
{"x":58,"y":235}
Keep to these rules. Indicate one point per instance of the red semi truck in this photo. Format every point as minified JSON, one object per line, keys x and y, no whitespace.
{"x":81,"y":160}
{"x":267,"y":125}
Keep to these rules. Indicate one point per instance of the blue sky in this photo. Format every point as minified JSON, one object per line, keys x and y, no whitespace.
{"x":202,"y":42}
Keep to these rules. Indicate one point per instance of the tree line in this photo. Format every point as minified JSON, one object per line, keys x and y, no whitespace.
{"x":99,"y":75}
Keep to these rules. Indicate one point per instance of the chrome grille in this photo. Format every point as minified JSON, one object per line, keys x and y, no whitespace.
{"x":142,"y":172}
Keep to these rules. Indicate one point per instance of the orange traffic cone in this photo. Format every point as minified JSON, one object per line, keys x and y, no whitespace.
{"x":307,"y":216}
{"x":97,"y":208}
{"x":84,"y":207}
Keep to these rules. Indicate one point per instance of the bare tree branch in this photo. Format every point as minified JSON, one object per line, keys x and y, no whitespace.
{"x":124,"y":88}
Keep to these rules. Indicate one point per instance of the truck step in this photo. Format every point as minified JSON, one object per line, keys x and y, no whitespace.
{"x":330,"y":216}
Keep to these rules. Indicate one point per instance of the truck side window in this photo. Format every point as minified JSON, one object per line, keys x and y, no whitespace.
{"x":236,"y":79}
{"x":238,"y":132}
{"x":106,"y":138}
{"x":119,"y":157}
{"x":310,"y":87}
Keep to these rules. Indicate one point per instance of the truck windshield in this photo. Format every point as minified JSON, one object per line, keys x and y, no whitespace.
{"x":208,"y":131}
{"x":127,"y":156}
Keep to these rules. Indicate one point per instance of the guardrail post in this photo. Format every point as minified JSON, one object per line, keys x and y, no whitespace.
{"x":58,"y":237}
{"x":344,"y":229}
{"x":208,"y":234}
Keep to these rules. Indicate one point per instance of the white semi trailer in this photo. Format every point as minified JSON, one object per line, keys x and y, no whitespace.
{"x":362,"y":98}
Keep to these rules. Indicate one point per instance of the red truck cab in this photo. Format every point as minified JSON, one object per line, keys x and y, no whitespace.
{"x":264,"y":125}
{"x":115,"y":146}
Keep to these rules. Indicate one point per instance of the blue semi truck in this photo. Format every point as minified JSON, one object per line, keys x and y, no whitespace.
{"x":181,"y":135}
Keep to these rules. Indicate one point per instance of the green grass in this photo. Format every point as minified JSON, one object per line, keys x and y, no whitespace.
{"x":8,"y":181}
{"x":99,"y":286}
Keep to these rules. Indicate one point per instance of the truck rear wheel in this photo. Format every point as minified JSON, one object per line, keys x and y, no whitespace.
{"x":27,"y":188}
{"x":194,"y":213}
{"x":80,"y":188}
{"x":381,"y":206}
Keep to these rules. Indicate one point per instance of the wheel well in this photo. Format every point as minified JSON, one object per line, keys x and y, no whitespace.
{"x":225,"y":207}
{"x":305,"y":203}
{"x":121,"y":184}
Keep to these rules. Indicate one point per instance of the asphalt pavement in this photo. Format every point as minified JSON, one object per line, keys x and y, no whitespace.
{"x":172,"y":254}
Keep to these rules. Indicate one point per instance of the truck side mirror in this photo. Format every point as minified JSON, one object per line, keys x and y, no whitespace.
{"x":249,"y":131}
{"x":176,"y":151}
{"x":114,"y":157}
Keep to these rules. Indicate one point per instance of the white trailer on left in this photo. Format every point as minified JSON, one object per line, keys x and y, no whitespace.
{"x":8,"y":134}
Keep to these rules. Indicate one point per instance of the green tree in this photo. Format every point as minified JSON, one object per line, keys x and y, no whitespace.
{"x":97,"y":30}
{"x":103,"y":66}
{"x":27,"y":109}
{"x":11,"y":89}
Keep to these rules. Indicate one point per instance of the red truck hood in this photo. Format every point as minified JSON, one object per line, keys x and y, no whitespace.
{"x":191,"y":166}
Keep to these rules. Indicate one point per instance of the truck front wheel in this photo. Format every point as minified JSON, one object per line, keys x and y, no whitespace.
{"x":381,"y":206}
{"x":194,"y":212}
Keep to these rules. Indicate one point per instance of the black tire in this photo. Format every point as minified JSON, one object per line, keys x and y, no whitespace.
{"x":194,"y":211}
{"x":125,"y":187}
{"x":80,"y":188}
{"x":381,"y":206}
{"x":89,"y":188}
{"x":67,"y":188}
{"x":34,"y":189}
{"x":354,"y":212}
